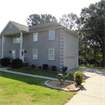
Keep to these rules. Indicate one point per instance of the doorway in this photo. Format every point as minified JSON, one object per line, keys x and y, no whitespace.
{"x":22,"y":55}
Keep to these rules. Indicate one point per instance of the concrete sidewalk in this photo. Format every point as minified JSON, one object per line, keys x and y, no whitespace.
{"x":31,"y":75}
{"x":93,"y":92}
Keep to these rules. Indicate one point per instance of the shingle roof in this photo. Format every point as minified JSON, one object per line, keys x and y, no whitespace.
{"x":44,"y":26}
{"x":20,"y":26}
{"x":40,"y":27}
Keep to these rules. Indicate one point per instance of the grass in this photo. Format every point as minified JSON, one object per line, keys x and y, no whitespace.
{"x":23,"y":90}
{"x":40,"y":72}
{"x":93,"y":67}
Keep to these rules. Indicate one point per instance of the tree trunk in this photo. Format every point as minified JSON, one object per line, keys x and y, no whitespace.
{"x":103,"y":55}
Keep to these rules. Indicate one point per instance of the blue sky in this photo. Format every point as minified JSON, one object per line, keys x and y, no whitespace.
{"x":19,"y":10}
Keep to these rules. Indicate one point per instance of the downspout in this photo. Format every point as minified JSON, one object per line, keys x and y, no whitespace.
{"x":21,"y":38}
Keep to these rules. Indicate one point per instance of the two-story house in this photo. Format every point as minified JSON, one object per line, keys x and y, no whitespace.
{"x":48,"y":43}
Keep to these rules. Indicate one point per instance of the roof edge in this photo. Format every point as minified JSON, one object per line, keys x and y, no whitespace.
{"x":7,"y":25}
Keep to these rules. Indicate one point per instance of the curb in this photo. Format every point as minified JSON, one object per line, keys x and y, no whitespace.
{"x":67,"y":90}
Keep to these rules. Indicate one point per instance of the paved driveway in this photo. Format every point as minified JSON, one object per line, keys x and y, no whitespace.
{"x":93,"y":92}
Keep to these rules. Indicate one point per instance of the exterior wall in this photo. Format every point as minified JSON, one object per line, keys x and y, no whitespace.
{"x":9,"y":46}
{"x":65,"y":45}
{"x":0,"y":46}
{"x":11,"y":30}
{"x":70,"y":50}
{"x":42,"y":45}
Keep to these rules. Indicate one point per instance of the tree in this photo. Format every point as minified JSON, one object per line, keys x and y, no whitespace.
{"x":69,"y":21}
{"x":36,"y":19}
{"x":92,"y":22}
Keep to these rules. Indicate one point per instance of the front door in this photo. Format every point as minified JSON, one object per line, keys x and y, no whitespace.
{"x":23,"y":55}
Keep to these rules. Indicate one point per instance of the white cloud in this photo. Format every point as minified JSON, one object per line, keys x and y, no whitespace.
{"x":19,"y":10}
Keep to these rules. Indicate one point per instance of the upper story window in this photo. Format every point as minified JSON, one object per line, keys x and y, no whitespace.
{"x":35,"y":54}
{"x":52,"y":35}
{"x":51,"y":54}
{"x":16,"y":40}
{"x":35,"y":37}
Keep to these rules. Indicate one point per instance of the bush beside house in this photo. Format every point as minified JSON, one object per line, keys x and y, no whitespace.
{"x":53,"y":68}
{"x":5,"y":62}
{"x":17,"y":63}
{"x":45,"y":66}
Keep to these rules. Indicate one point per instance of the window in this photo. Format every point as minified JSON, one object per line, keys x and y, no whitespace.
{"x":51,"y":53}
{"x":51,"y":35}
{"x":13,"y":54}
{"x":35,"y":37}
{"x":35,"y":54}
{"x":16,"y":40}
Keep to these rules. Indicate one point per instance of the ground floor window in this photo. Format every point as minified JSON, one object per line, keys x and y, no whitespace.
{"x":35,"y":54}
{"x":51,"y":54}
{"x":13,"y":54}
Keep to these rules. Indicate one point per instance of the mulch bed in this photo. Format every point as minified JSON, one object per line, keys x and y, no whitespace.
{"x":67,"y":86}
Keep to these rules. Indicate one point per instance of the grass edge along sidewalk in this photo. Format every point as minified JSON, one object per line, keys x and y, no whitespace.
{"x":92,"y":67}
{"x":46,"y":73}
{"x":18,"y":89}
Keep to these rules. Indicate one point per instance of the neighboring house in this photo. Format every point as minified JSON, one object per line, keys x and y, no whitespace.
{"x":48,"y":43}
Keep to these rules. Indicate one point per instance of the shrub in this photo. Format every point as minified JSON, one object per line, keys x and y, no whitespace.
{"x":17,"y":63}
{"x":45,"y":66}
{"x":33,"y":66}
{"x":40,"y":67}
{"x":64,"y":69}
{"x":53,"y":68}
{"x":5,"y":61}
{"x":61,"y":77}
{"x":78,"y":77}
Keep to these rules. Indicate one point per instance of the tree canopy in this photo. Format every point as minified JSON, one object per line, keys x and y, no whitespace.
{"x":36,"y":19}
{"x":92,"y":22}
{"x":91,"y":28}
{"x":69,"y":21}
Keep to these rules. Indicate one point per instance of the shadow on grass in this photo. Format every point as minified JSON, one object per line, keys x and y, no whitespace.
{"x":27,"y":79}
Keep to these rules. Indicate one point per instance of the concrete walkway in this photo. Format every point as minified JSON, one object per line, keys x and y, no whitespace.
{"x":31,"y":75}
{"x":93,"y":92}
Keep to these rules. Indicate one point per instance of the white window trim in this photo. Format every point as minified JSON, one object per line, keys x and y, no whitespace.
{"x":49,"y":54}
{"x":15,"y":54}
{"x":33,"y":37}
{"x":37,"y":54}
{"x":54,"y":35}
{"x":14,"y":40}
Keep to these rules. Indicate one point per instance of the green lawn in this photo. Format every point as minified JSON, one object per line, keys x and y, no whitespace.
{"x":93,"y":67}
{"x":23,"y":90}
{"x":40,"y":72}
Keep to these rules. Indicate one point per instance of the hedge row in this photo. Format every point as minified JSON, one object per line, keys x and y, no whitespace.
{"x":44,"y":67}
{"x":16,"y":63}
